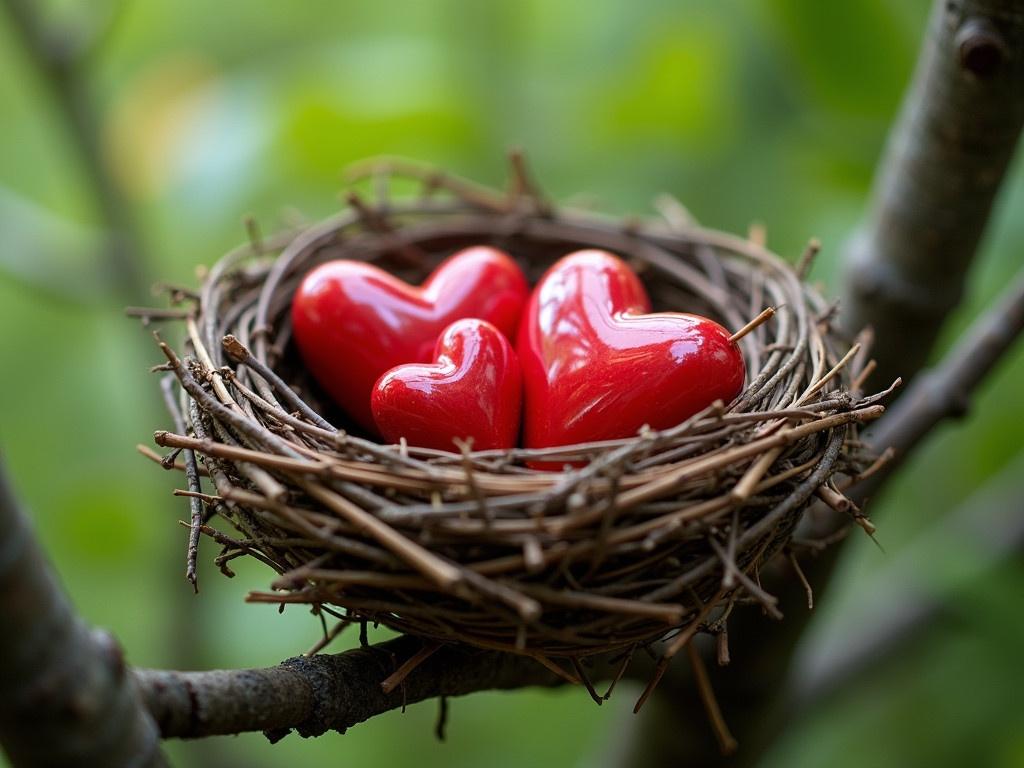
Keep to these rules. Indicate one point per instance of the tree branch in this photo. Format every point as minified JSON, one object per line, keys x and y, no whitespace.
{"x":67,"y":698}
{"x":946,"y":390}
{"x":327,"y":692}
{"x":986,"y":529}
{"x":934,"y":191}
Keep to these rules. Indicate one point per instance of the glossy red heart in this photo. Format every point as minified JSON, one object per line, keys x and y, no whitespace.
{"x":472,"y":390}
{"x":353,"y":321}
{"x":596,"y":366}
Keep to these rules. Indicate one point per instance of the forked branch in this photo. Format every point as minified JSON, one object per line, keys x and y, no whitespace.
{"x":935,"y":188}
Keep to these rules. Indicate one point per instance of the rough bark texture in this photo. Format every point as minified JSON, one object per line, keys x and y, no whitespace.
{"x":68,"y":699}
{"x":317,"y":694}
{"x":944,"y":163}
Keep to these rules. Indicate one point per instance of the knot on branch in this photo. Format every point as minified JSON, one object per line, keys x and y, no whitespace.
{"x":111,"y":653}
{"x":981,"y":48}
{"x":345,"y":689}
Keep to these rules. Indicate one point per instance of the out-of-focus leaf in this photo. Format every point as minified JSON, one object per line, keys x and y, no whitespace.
{"x":47,"y":253}
{"x":148,"y":124}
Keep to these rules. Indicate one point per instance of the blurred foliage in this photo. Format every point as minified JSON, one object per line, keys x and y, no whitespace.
{"x":773,"y":111}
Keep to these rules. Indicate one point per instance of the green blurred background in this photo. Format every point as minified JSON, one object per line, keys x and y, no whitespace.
{"x":767,"y":110}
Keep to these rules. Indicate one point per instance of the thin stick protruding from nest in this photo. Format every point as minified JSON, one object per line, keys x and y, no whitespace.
{"x":726,"y":741}
{"x":252,"y":229}
{"x":398,"y":676}
{"x":763,"y":317}
{"x":674,"y":646}
{"x":803,"y":266}
{"x":522,"y":186}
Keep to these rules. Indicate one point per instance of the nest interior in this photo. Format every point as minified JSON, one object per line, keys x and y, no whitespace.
{"x":644,"y":538}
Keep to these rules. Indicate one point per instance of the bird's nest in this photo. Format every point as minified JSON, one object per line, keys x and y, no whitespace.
{"x":656,"y":536}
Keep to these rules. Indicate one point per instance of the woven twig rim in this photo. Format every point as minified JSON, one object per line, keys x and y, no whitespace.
{"x":656,"y":536}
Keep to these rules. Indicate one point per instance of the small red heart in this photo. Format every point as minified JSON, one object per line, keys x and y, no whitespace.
{"x":472,"y":390}
{"x":596,"y":366}
{"x":353,"y":321}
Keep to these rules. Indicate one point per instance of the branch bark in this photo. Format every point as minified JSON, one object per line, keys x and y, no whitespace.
{"x":946,"y":390}
{"x":327,"y":692}
{"x":68,"y":699}
{"x":933,"y":194}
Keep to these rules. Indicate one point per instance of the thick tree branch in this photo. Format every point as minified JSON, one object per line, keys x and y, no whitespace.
{"x":934,"y":191}
{"x":68,"y":699}
{"x":327,"y":692}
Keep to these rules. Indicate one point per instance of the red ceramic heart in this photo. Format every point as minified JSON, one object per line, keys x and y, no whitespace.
{"x":353,"y":321}
{"x":472,"y":390}
{"x":596,"y":366}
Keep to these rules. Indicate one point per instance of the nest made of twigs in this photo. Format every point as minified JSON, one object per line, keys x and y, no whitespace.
{"x":646,"y":537}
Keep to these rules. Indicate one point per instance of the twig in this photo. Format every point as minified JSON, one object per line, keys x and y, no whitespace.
{"x":398,"y":676}
{"x":726,"y":741}
{"x":325,"y":692}
{"x":988,"y":525}
{"x":762,"y":318}
{"x":807,"y":257}
{"x":803,"y":579}
{"x":191,"y":467}
{"x":946,"y":390}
